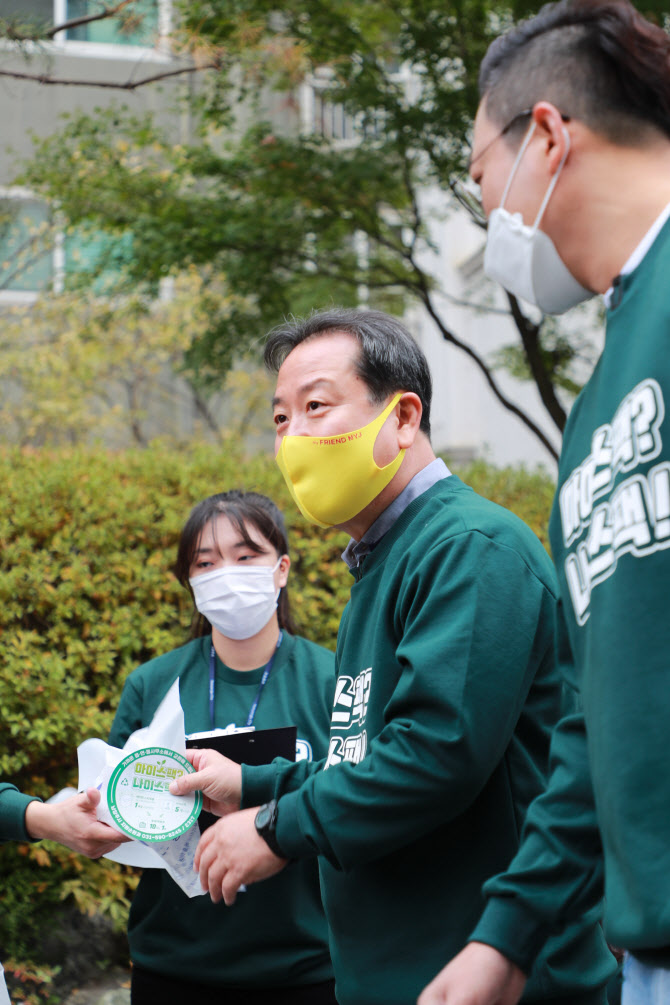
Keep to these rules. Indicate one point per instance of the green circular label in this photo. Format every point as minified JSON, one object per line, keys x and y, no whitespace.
{"x":139,"y":798}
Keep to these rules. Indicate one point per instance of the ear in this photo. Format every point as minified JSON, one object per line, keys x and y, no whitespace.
{"x":282,"y":571}
{"x":550,"y":127}
{"x":408,"y":411}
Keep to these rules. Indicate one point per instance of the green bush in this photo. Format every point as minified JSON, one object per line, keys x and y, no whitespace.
{"x":87,"y":541}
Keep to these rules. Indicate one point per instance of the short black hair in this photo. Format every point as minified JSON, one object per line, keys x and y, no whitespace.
{"x":598,"y":61}
{"x":389,"y":359}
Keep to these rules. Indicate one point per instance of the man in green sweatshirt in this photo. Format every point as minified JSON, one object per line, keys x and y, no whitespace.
{"x":447,"y":686}
{"x":576,"y":106}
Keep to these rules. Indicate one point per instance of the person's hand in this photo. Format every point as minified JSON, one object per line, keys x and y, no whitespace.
{"x":218,"y":778}
{"x":231,"y":853}
{"x":73,"y":823}
{"x":479,"y":975}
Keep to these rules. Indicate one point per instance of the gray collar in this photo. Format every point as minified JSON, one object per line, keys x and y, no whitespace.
{"x":356,"y":551}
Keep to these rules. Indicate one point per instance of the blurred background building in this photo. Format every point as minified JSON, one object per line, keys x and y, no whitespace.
{"x":468,"y":421}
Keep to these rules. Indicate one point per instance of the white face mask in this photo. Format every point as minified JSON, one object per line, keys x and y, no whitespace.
{"x":238,"y":600}
{"x":524,"y":259}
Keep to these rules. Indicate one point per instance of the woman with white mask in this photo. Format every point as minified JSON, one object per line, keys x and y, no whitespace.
{"x":244,"y":668}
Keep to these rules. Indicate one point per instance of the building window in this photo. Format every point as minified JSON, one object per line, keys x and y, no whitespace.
{"x":136,"y":25}
{"x":26,"y":243}
{"x":37,"y":256}
{"x":322,"y":117}
{"x":332,"y":121}
{"x":97,"y":258}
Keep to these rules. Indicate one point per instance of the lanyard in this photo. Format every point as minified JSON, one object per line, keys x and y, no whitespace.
{"x":263,"y":682}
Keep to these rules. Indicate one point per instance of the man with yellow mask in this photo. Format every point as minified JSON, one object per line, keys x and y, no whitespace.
{"x":446,"y":693}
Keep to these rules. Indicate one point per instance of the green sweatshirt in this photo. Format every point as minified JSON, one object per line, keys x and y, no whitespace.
{"x":12,"y":813}
{"x":446,"y":696}
{"x":275,"y":934}
{"x":610,"y":536}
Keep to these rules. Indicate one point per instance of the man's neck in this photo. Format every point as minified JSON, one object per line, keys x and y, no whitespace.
{"x":627,"y":191}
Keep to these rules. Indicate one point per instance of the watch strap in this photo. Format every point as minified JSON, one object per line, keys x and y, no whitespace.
{"x":266,"y":826}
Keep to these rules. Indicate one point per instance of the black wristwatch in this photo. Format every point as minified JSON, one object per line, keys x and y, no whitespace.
{"x":266,"y":825}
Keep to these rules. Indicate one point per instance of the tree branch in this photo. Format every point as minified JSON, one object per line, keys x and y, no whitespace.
{"x":131,"y":85}
{"x":449,"y":336}
{"x":106,"y":12}
{"x":87,"y":19}
{"x":529,"y":333}
{"x":421,"y":289}
{"x":424,"y":294}
{"x":35,"y":36}
{"x":203,"y":409}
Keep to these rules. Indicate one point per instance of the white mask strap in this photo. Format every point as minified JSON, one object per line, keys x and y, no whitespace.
{"x":552,"y":183}
{"x":522,"y":150}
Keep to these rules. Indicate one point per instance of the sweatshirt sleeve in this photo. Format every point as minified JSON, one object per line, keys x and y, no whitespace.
{"x":12,"y":813}
{"x":473,"y":624}
{"x":262,"y":782}
{"x":557,"y":875}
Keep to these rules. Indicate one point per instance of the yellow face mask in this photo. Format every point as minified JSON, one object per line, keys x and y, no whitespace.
{"x":332,"y":478}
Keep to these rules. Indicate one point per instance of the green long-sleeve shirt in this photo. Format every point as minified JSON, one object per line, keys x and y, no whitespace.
{"x":12,"y":813}
{"x":446,"y":696}
{"x":275,"y":935}
{"x":608,"y":802}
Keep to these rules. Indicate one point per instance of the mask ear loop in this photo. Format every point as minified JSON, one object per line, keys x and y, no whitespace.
{"x":515,"y":165}
{"x":377,"y":423}
{"x":376,"y":426}
{"x":552,"y":183}
{"x":273,"y":570}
